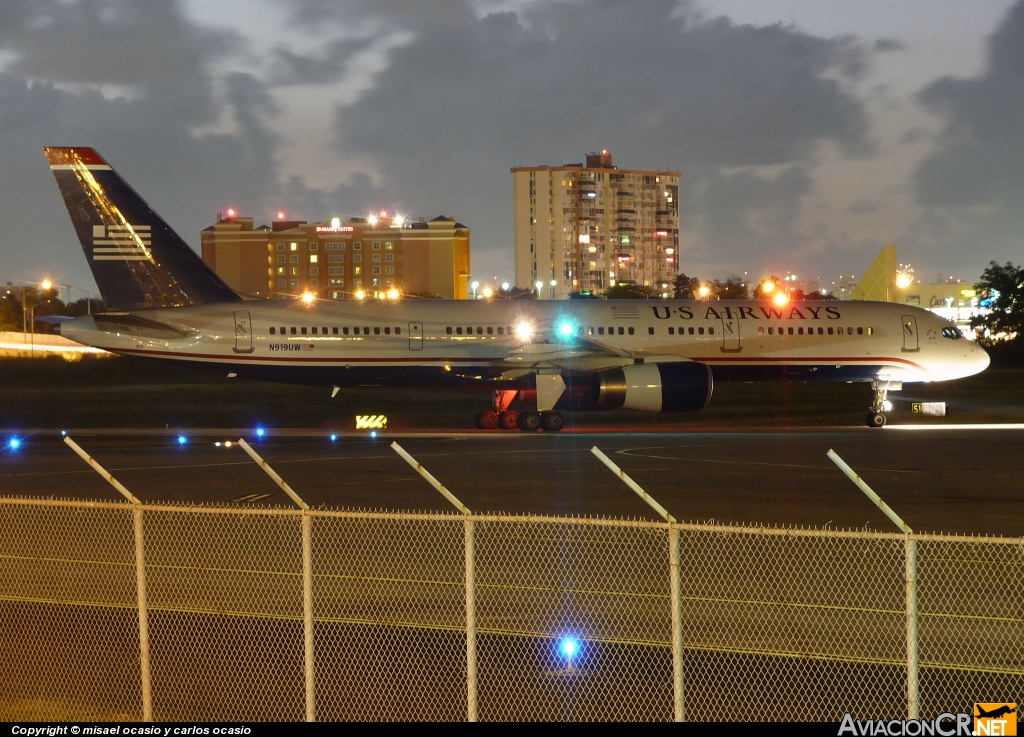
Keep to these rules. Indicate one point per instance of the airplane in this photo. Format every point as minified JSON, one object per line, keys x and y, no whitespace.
{"x":163,"y":302}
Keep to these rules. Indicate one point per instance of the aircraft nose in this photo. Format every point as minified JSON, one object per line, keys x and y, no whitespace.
{"x":982,"y":359}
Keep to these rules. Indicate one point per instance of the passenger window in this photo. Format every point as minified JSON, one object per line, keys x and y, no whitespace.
{"x":600,"y":331}
{"x":303,"y":330}
{"x":398,"y":331}
{"x":790,"y":331}
{"x":448,"y":331}
{"x":334,"y":330}
{"x":458,"y":331}
{"x":273,"y":330}
{"x":631,"y":331}
{"x":284,"y":330}
{"x":799,"y":331}
{"x":771,"y":331}
{"x":691,"y":331}
{"x":314,"y":330}
{"x":821,"y":331}
{"x":831,"y":331}
{"x":344,"y":331}
{"x":376,"y":331}
{"x":490,"y":331}
{"x":323,"y":331}
{"x":387,"y":331}
{"x":479,"y":331}
{"x":840,"y":331}
{"x":650,"y":331}
{"x":860,"y":331}
{"x":711,"y":331}
{"x":700,"y":331}
{"x":366,"y":331}
{"x":501,"y":330}
{"x":611,"y":331}
{"x":760,"y":331}
{"x":849,"y":331}
{"x":870,"y":331}
{"x":671,"y":331}
{"x":294,"y":331}
{"x":622,"y":331}
{"x":469,"y":331}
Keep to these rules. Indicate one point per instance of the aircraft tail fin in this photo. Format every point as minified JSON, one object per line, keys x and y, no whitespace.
{"x":136,"y":258}
{"x":880,"y":278}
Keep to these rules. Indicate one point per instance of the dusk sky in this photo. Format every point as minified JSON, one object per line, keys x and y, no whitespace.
{"x":808,"y":133}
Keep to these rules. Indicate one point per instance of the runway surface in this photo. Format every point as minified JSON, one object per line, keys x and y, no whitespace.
{"x":965,"y":481}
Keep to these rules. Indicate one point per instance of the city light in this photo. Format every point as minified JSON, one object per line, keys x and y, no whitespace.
{"x":780,"y":299}
{"x":524,"y":330}
{"x":704,"y":291}
{"x":47,"y":285}
{"x":360,"y":294}
{"x":487,"y":293}
{"x":280,"y":214}
{"x":308,"y":297}
{"x":393,"y":293}
{"x":335,"y":222}
{"x":904,"y":280}
{"x":505,"y":286}
{"x":231,"y":212}
{"x":540,"y":285}
{"x":768,"y":286}
{"x":554,"y":283}
{"x":372,"y":219}
{"x":398,"y":221}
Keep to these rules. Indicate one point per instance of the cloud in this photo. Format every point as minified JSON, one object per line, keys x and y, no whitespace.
{"x":468,"y":98}
{"x":883,"y":45}
{"x":972,"y":185}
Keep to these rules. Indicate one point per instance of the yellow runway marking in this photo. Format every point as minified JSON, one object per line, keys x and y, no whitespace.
{"x":251,"y":497}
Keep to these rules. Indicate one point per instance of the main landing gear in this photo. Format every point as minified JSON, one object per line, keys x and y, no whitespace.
{"x":503,"y":418}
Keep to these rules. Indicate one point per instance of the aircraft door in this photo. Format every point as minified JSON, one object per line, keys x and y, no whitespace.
{"x":910,"y":339}
{"x":415,"y":336}
{"x":731,"y":335}
{"x":243,"y":332}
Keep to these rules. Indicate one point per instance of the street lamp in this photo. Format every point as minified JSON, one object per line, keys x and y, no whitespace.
{"x":554,"y":284}
{"x":475,"y":285}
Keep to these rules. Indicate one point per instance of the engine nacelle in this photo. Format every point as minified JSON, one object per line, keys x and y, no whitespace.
{"x":678,"y":386}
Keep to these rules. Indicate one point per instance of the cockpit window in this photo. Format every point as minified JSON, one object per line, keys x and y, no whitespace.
{"x":952,"y":333}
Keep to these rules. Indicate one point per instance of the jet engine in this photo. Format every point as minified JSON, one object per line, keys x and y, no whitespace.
{"x":677,"y":386}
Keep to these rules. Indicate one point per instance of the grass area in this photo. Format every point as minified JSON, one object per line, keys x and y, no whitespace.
{"x":134,"y":393}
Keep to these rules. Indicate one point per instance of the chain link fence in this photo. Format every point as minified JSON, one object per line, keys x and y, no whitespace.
{"x":206,"y":613}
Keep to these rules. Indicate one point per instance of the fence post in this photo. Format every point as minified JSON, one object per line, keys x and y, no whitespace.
{"x":471,"y":674}
{"x":307,"y":578}
{"x":675,"y":551}
{"x":140,"y":578}
{"x":675,"y":582}
{"x":913,"y":684}
{"x":472,"y":713}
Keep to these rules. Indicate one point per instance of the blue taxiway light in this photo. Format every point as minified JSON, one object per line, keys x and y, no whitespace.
{"x":182,"y":440}
{"x":569,"y":647}
{"x":14,"y":443}
{"x":333,"y":437}
{"x":373,"y":433}
{"x":63,"y":433}
{"x":260,"y":432}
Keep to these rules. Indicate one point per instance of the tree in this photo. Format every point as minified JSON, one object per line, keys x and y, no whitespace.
{"x":685,"y":287}
{"x":731,"y":288}
{"x":517,"y":293}
{"x":630,"y":291}
{"x":1002,"y":290}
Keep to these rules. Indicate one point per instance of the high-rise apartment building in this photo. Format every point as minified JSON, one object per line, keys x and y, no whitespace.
{"x":336,"y":258}
{"x":582,"y":228}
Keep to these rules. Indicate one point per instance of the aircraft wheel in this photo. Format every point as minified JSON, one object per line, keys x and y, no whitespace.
{"x":552,"y":421}
{"x":488,"y":420}
{"x":508,"y":420}
{"x":876,"y":419}
{"x":528,"y":421}
{"x":478,"y":421}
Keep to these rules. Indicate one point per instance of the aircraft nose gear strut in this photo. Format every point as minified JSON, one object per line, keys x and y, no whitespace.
{"x":876,"y":417}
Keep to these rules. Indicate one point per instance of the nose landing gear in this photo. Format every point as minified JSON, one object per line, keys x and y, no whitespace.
{"x":879,"y":406}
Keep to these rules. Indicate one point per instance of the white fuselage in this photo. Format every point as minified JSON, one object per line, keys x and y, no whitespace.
{"x":743,"y":340}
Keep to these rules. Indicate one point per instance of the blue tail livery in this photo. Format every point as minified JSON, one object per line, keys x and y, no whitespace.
{"x":137,"y":260}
